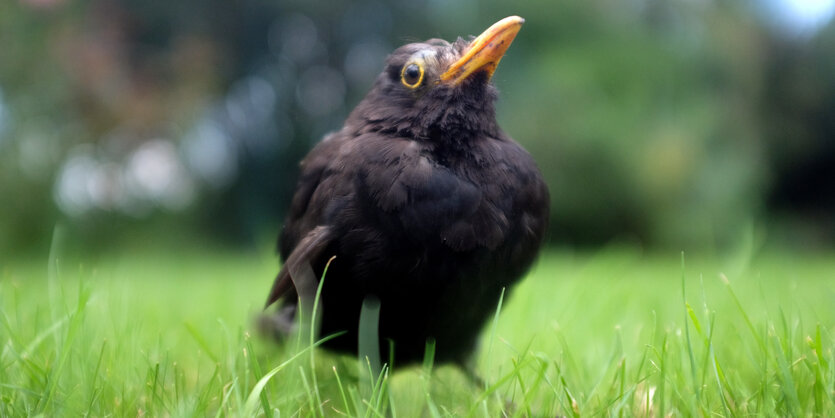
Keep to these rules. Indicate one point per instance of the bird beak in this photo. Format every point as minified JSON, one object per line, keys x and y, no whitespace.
{"x":485,"y":51}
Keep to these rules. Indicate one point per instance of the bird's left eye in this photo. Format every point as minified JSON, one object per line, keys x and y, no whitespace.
{"x":411,"y":75}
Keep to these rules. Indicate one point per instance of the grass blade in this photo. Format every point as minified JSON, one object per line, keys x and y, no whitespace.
{"x":254,"y":395}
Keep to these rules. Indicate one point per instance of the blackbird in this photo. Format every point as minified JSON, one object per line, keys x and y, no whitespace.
{"x":420,"y":201}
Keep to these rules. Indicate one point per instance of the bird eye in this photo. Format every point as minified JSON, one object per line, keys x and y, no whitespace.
{"x":412,"y":75}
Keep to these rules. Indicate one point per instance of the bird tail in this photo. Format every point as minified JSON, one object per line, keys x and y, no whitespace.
{"x":297,"y":270}
{"x":281,"y":284}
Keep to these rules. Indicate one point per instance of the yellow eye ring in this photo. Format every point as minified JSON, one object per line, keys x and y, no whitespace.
{"x":411,"y":75}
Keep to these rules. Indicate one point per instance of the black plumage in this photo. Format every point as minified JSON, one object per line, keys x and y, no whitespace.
{"x":425,"y":202}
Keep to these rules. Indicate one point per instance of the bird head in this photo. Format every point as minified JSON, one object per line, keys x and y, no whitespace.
{"x":437,"y":90}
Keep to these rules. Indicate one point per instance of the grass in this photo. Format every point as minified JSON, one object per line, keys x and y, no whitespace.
{"x":615,"y":332}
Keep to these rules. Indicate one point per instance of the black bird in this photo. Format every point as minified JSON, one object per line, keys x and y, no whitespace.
{"x":424,"y":202}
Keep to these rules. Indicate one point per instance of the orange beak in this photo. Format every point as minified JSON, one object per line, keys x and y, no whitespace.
{"x":485,"y":51}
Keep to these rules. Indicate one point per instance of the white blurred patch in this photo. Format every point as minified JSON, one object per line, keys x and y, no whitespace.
{"x":155,"y":172}
{"x":804,"y":16}
{"x":813,"y":12}
{"x":152,"y":177}
{"x":71,"y":193}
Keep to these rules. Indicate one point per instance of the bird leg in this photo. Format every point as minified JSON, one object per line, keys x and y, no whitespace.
{"x":368,"y":340}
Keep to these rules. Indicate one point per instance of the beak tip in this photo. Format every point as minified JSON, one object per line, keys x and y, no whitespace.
{"x":486,"y":50}
{"x":512,"y":20}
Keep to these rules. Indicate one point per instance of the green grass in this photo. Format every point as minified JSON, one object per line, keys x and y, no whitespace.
{"x":615,"y":333}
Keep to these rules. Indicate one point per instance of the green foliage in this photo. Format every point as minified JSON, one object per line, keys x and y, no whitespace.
{"x":672,"y":122}
{"x":638,"y":126}
{"x":615,"y":333}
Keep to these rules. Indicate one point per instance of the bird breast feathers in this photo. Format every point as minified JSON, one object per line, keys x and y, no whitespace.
{"x":403,"y":180}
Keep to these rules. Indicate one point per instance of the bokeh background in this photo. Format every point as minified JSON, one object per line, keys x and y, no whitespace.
{"x":678,"y":124}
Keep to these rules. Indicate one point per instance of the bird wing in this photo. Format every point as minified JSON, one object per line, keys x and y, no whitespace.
{"x":514,"y":185}
{"x":302,"y":217}
{"x":302,"y":240}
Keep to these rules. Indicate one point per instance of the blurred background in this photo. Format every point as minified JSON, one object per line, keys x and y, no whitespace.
{"x":673,"y":124}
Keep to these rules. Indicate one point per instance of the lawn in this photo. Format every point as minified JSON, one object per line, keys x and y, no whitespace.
{"x":611,"y":332}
